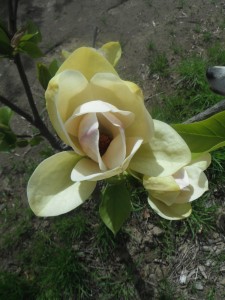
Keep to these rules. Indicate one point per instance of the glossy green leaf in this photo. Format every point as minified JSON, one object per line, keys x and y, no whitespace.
{"x":30,"y":49}
{"x":5,"y":47}
{"x":43,"y":75}
{"x":36,"y":140}
{"x":7,"y":140}
{"x":204,"y":136}
{"x":29,"y":37}
{"x":46,"y":73}
{"x":53,"y":67}
{"x":115,"y":207}
{"x":32,"y":28}
{"x":5,"y":115}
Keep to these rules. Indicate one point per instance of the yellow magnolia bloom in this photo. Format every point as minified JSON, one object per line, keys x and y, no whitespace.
{"x":171,"y":177}
{"x":101,"y":117}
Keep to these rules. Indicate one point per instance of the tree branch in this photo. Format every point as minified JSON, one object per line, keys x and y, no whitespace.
{"x":17,"y":109}
{"x":220,"y":106}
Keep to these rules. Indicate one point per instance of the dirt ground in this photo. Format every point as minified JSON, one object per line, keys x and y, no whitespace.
{"x":68,"y":24}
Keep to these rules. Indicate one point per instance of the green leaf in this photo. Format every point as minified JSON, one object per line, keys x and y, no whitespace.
{"x":204,"y":136}
{"x":46,"y":73}
{"x":32,"y":28}
{"x":43,"y":75}
{"x":7,"y":140}
{"x":115,"y":207}
{"x":31,"y":37}
{"x":5,"y":47}
{"x":30,"y":49}
{"x":53,"y":67}
{"x":5,"y":115}
{"x":36,"y":140}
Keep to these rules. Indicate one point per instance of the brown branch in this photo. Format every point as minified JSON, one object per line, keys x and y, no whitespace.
{"x":220,"y":106}
{"x":17,"y":110}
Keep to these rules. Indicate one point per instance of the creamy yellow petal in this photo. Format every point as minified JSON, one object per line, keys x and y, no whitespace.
{"x":198,"y":182}
{"x":167,"y":183}
{"x":202,"y":161}
{"x":172,"y":212}
{"x":164,"y":155}
{"x":115,"y":91}
{"x":50,"y":190}
{"x":169,"y":198}
{"x":112,"y":51}
{"x":86,"y":169}
{"x":88,"y":61}
{"x":65,"y":92}
{"x":116,"y":152}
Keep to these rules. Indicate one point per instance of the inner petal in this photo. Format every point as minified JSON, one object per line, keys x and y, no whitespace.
{"x":181,"y":178}
{"x":88,"y":135}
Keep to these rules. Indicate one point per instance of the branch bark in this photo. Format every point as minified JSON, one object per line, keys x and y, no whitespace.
{"x":220,"y":106}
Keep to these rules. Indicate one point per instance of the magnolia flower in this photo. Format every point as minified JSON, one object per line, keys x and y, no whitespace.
{"x":172,"y":178}
{"x":101,"y":117}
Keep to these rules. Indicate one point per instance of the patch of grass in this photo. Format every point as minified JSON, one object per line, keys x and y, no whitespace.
{"x":159,"y":64}
{"x":203,"y":217}
{"x":167,"y":291}
{"x":15,"y":287}
{"x":151,"y":46}
{"x":207,"y":36}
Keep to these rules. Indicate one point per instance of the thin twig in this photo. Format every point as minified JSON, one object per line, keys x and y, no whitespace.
{"x":96,"y":31}
{"x":220,"y":106}
{"x":17,"y":110}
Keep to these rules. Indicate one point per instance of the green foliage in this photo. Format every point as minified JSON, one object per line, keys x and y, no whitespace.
{"x":115,"y":207}
{"x":5,"y":46}
{"x":159,"y":65}
{"x":204,"y":136}
{"x":7,"y":137}
{"x":46,"y":73}
{"x":12,"y":287}
{"x":26,"y":41}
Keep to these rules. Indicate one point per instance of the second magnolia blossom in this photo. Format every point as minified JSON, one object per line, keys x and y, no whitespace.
{"x":171,"y":177}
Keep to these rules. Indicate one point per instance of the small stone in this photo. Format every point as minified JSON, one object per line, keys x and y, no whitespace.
{"x":156,"y":231}
{"x":207,"y":248}
{"x":199,"y":286}
{"x":222,"y":281}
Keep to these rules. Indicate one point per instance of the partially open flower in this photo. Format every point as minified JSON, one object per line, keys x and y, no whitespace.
{"x":101,"y":117}
{"x":170,"y":176}
{"x":171,"y":196}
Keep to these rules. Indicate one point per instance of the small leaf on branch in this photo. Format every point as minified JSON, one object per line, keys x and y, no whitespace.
{"x":43,"y":75}
{"x":204,"y":136}
{"x":46,"y":73}
{"x":7,"y":140}
{"x":53,"y":67}
{"x":115,"y":207}
{"x":30,"y":49}
{"x":5,"y":115}
{"x":5,"y":47}
{"x":36,"y":140}
{"x":32,"y":28}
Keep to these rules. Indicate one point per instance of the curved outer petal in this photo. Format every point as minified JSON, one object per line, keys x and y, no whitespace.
{"x":172,"y":212}
{"x":112,"y":51}
{"x":65,"y":92}
{"x":86,"y":169}
{"x":166,"y":153}
{"x":88,"y":61}
{"x":198,"y":182}
{"x":202,"y":161}
{"x":119,"y":93}
{"x":50,"y":190}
